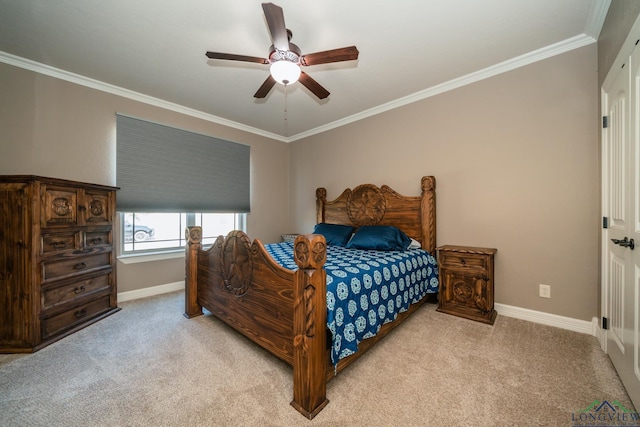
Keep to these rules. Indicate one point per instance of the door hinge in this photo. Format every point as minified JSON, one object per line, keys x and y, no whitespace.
{"x":605,"y":122}
{"x":605,"y":323}
{"x":605,"y":222}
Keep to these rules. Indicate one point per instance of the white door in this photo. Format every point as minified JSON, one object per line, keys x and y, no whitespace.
{"x":621,"y":261}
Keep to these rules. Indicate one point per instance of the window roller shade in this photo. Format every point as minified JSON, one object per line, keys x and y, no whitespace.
{"x":163,"y":169}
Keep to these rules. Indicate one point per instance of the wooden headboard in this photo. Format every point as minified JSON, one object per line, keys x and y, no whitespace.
{"x":368,"y":204}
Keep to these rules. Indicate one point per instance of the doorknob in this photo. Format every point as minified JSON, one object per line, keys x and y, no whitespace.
{"x":625,"y":243}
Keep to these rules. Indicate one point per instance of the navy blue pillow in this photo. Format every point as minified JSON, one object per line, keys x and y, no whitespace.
{"x":379,"y":237}
{"x":336,"y":234}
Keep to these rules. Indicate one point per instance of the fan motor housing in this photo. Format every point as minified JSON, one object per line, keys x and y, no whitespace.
{"x":293,"y":54}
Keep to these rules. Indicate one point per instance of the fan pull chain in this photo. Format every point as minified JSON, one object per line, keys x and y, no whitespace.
{"x":286,"y":113}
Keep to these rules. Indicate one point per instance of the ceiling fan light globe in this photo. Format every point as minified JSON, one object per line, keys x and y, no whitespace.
{"x":285,"y":72}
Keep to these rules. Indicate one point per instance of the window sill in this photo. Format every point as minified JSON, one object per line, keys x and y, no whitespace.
{"x":137,"y":258}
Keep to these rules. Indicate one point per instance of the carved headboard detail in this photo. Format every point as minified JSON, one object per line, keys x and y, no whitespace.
{"x":368,"y":204}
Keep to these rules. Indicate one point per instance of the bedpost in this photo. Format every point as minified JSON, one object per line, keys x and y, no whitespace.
{"x":429,"y":214}
{"x":309,"y":325}
{"x":194,"y":244}
{"x":321,"y":199}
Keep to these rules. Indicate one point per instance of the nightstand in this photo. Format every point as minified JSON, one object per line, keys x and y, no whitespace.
{"x":466,"y":282}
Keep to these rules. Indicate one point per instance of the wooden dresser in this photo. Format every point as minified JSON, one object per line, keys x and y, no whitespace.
{"x":466,"y":282}
{"x":57,"y":259}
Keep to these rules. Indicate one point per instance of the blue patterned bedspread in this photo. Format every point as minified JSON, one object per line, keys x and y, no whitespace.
{"x":366,"y":289}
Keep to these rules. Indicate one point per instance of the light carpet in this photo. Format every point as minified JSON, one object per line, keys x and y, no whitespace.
{"x":148,"y":365}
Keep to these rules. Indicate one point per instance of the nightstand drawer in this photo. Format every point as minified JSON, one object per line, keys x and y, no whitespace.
{"x":455,"y":259}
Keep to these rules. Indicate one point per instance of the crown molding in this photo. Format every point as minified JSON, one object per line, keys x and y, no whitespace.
{"x":597,"y":15}
{"x":47,"y":70}
{"x":511,"y":64}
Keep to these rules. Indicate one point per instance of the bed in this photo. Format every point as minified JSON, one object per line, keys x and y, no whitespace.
{"x":285,"y":306}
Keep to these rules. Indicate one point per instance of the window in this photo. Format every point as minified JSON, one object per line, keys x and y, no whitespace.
{"x":143,"y":232}
{"x":162,"y":171}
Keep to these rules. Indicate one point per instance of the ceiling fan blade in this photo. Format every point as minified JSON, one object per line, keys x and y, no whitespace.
{"x":313,"y":85}
{"x":232,"y":57}
{"x":265,"y":88}
{"x":336,"y":55}
{"x":275,"y":21}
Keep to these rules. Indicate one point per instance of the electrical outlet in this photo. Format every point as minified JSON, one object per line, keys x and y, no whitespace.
{"x":545,"y":291}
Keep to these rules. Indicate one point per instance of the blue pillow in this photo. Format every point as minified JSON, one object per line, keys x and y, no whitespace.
{"x":380,"y":238}
{"x":335,"y":234}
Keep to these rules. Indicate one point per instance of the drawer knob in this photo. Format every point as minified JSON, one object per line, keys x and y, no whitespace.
{"x":463,"y":261}
{"x":80,"y":313}
{"x":80,"y":265}
{"x":59,"y":244}
{"x":96,"y":241}
{"x":79,"y":290}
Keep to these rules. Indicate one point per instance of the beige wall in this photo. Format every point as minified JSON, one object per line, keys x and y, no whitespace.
{"x":55,"y":128}
{"x":516,"y":162}
{"x":515,"y":158}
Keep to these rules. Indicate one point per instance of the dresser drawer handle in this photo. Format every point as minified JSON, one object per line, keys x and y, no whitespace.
{"x":59,"y":245}
{"x":79,"y":290}
{"x":462,"y":261}
{"x":96,"y":241}
{"x":80,"y":313}
{"x":80,"y":266}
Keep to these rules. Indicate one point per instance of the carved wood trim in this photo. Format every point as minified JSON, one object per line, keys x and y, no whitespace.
{"x":366,"y":205}
{"x":61,"y":206}
{"x":428,"y":214}
{"x":310,"y":251}
{"x":309,"y":320}
{"x":236,"y":262}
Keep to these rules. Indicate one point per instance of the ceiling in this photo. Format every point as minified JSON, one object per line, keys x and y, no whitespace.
{"x":154,"y":51}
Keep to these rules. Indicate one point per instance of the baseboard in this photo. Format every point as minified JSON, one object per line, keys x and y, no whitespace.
{"x":600,"y":334}
{"x":150,"y":291}
{"x":582,"y":326}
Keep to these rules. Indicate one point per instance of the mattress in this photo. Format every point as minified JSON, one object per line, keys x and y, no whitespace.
{"x":366,"y":289}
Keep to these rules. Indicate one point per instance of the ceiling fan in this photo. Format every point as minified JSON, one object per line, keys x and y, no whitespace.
{"x":286,"y":58}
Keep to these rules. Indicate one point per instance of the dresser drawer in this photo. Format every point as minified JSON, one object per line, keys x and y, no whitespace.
{"x":55,"y":296}
{"x":71,"y":266}
{"x":75,"y":316}
{"x":97,"y":238}
{"x":59,"y":242}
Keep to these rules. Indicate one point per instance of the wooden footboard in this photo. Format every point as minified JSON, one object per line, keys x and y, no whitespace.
{"x":281,"y":310}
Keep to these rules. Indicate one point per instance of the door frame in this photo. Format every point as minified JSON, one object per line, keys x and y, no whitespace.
{"x":621,"y":59}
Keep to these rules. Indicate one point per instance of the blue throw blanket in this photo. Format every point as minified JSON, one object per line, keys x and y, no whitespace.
{"x":366,"y":289}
